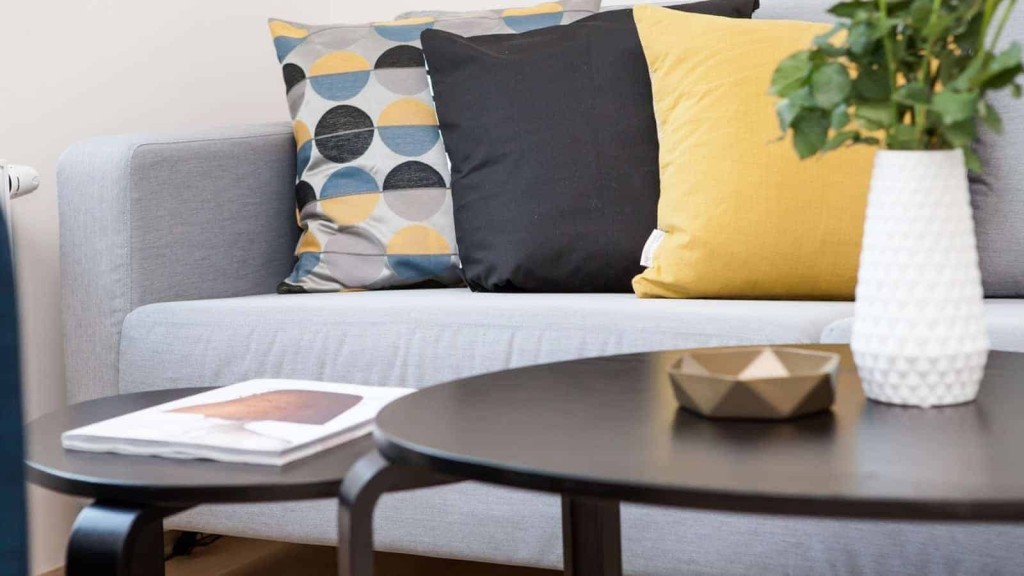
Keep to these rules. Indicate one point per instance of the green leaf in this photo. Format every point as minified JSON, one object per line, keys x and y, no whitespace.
{"x":961,"y":133}
{"x":902,"y":137}
{"x":1006,"y":60}
{"x":824,"y":45}
{"x":850,"y":9}
{"x":938,"y":29}
{"x":840,"y":138}
{"x":955,"y":107}
{"x":951,"y":65}
{"x":787,"y":108}
{"x":970,"y":39}
{"x":810,"y":131}
{"x":1011,"y":57}
{"x":830,"y":85}
{"x":990,"y":116}
{"x":826,"y":38}
{"x":862,"y":38}
{"x":872,"y":84}
{"x":913,"y":94}
{"x":972,"y":160}
{"x":840,"y":117}
{"x":875,"y":115}
{"x":791,"y":74}
{"x":1003,"y":69}
{"x":970,"y":76}
{"x":920,"y":12}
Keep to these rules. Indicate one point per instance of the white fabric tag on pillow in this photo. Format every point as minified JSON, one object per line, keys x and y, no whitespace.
{"x":647,"y":257}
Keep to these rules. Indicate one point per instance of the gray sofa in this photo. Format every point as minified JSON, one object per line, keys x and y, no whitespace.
{"x":172,"y":247}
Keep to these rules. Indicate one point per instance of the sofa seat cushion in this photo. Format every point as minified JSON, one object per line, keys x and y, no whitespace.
{"x":421,"y":337}
{"x":477,"y":522}
{"x":1005,"y":319}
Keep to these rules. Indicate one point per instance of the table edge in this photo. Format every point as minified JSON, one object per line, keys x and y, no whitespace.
{"x":400,"y":452}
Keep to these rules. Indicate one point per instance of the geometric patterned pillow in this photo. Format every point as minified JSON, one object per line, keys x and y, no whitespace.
{"x":372,"y":182}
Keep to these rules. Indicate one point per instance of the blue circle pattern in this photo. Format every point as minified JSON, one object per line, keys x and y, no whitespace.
{"x":528,"y":22}
{"x":420,"y":266}
{"x":406,"y":33}
{"x":338,"y":87}
{"x":304,"y":267}
{"x":284,"y":46}
{"x":409,"y":140}
{"x":302,"y":158}
{"x":348,"y":181}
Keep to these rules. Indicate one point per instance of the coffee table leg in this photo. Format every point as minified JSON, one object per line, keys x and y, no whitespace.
{"x":368,"y":479}
{"x":591,"y":536}
{"x":110,"y":539}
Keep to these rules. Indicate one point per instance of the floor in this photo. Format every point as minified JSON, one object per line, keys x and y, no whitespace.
{"x":243,"y":557}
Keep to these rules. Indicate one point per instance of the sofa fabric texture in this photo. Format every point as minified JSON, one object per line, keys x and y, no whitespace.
{"x":155,"y":218}
{"x":554,"y":151}
{"x":997,"y":193}
{"x":416,"y":338}
{"x":371,"y":173}
{"x":743,"y":217}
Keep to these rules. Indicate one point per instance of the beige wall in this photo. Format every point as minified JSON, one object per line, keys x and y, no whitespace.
{"x":89,"y":67}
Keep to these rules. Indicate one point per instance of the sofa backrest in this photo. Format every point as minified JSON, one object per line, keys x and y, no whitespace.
{"x":998,"y":192}
{"x":811,"y":10}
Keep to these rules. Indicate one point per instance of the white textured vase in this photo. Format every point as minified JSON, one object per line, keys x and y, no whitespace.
{"x":919,"y":336}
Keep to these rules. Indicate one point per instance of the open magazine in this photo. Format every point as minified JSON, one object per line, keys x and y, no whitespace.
{"x":270,"y":422}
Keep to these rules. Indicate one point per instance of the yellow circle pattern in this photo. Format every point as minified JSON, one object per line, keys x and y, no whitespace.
{"x":418,"y":240}
{"x":350,"y":210}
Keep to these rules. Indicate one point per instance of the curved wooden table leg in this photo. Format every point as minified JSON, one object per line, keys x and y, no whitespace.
{"x":369,"y":478}
{"x":110,"y":539}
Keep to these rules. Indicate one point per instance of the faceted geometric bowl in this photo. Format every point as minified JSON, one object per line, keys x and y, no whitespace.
{"x":761,"y":383}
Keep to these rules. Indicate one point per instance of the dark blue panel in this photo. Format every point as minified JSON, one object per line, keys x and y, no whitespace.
{"x":13,"y":539}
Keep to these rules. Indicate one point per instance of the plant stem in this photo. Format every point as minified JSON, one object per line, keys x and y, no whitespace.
{"x":1002,"y":24}
{"x":986,"y":19}
{"x":890,"y":58}
{"x":920,"y":110}
{"x":978,"y":58}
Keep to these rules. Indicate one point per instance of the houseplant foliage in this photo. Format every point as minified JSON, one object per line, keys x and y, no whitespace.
{"x":912,"y":77}
{"x":899,"y":74}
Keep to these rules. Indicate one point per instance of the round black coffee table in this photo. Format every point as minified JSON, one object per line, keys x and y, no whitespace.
{"x":606,"y":430}
{"x":121,"y":533}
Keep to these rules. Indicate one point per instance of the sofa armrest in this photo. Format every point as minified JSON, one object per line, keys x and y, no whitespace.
{"x":158,"y":218}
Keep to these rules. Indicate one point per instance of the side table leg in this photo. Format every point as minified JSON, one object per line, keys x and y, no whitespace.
{"x":371,"y":477}
{"x":591,"y":536}
{"x":111,"y":539}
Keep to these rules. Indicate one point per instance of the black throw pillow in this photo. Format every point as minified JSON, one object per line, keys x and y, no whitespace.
{"x":554,"y":151}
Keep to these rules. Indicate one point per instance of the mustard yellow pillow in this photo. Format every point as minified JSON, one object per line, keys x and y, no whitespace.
{"x":743,"y":217}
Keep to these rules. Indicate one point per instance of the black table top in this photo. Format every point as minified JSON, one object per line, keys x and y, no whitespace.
{"x":610,"y":427}
{"x":168,"y":482}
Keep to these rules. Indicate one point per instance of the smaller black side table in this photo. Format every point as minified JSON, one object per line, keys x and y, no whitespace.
{"x":121,"y":532}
